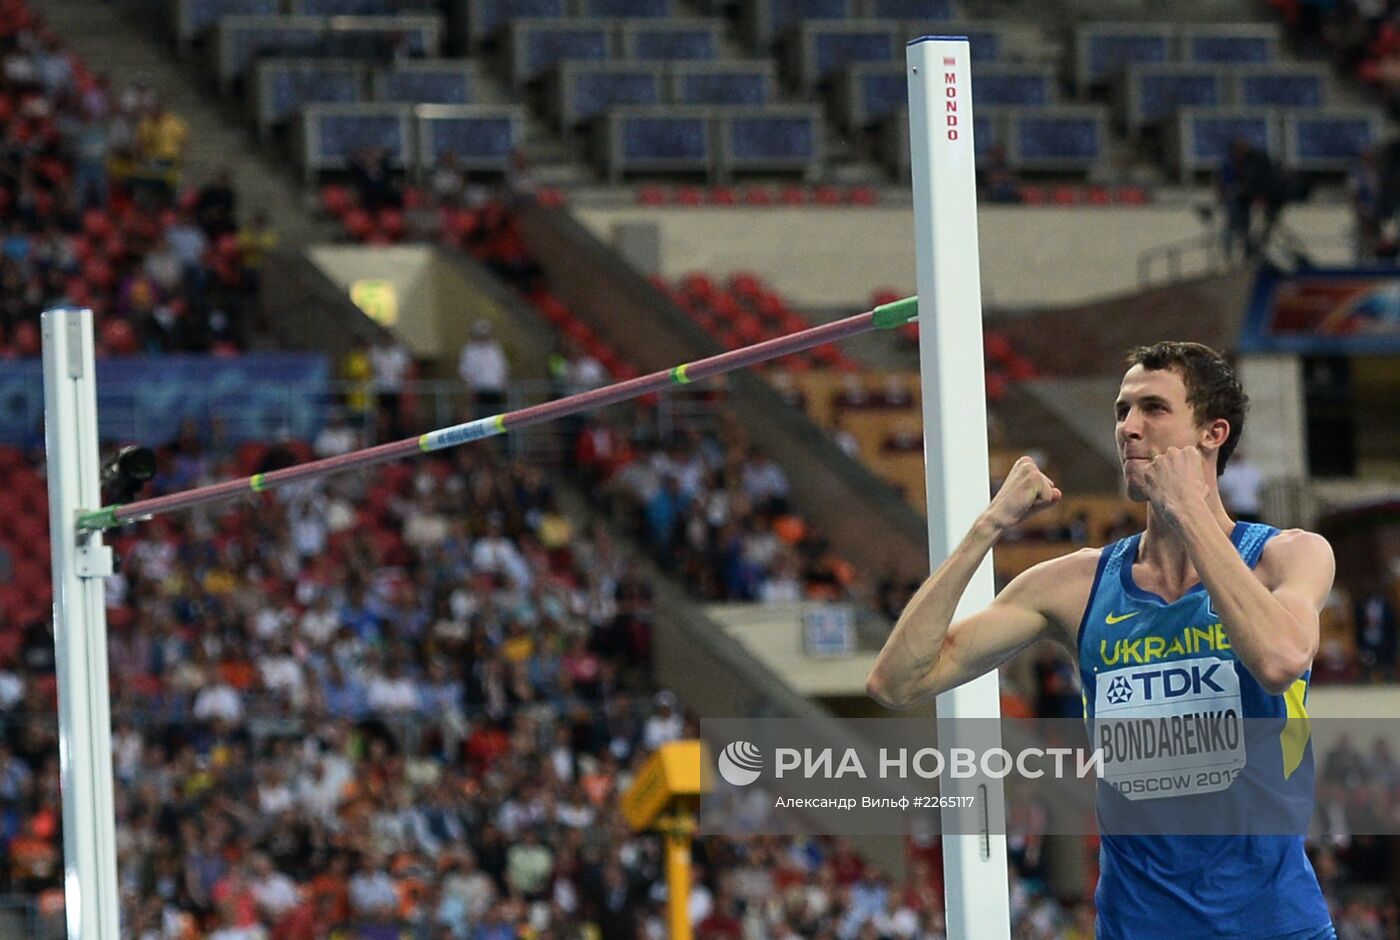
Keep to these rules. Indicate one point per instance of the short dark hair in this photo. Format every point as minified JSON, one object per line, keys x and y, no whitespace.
{"x":1212,"y":389}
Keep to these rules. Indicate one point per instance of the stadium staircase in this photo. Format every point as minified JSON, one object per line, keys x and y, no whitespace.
{"x":130,"y":48}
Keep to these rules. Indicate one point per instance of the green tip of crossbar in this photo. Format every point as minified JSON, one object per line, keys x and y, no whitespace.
{"x":99,"y":519}
{"x":888,"y":316}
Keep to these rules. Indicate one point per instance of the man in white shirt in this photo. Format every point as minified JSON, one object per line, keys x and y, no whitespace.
{"x":389,"y":363}
{"x":485,"y":370}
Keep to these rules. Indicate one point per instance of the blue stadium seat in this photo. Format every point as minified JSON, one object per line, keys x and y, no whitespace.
{"x":685,"y":39}
{"x":342,"y":7}
{"x":193,"y":17}
{"x":985,"y":41}
{"x":480,"y":137}
{"x":909,"y":9}
{"x":539,"y":45}
{"x":824,"y":48}
{"x":1229,"y":44}
{"x":1027,"y":86}
{"x":242,"y":40}
{"x":1156,"y":92}
{"x":648,"y":9}
{"x":332,"y":133}
{"x":1062,"y":138}
{"x":867,"y":93}
{"x":485,"y":17}
{"x":671,"y":139}
{"x":766,"y":20}
{"x":377,"y":37}
{"x":284,"y":85}
{"x":427,"y":81}
{"x":1281,"y":86}
{"x":733,"y":83}
{"x":988,"y":133}
{"x":1204,"y":135}
{"x":580,"y":91}
{"x":776,"y":138}
{"x":1103,"y":50}
{"x":1329,"y":141}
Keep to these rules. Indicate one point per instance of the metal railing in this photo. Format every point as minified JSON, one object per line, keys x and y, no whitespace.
{"x":269,"y":414}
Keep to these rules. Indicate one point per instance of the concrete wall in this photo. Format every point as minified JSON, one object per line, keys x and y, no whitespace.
{"x":439,"y":295}
{"x":1031,"y":257}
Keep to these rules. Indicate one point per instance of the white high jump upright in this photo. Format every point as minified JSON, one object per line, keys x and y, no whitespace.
{"x":955,"y":438}
{"x":80,"y":564}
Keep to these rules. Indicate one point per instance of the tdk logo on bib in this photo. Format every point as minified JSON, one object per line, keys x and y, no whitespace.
{"x":1172,"y":730}
{"x":1176,"y":681}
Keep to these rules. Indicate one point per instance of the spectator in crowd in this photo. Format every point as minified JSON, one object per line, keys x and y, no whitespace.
{"x":484,"y":369}
{"x":161,"y":139}
{"x":1246,"y":184}
{"x":1242,"y":488}
{"x":1376,"y":644}
{"x":216,"y":206}
{"x":372,"y":179}
{"x":390,"y":363}
{"x":1366,"y":196}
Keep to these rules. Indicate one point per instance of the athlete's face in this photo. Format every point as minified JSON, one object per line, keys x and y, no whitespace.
{"x":1151,"y":415}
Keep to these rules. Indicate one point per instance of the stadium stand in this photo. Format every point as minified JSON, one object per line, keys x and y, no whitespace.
{"x":404,"y":704}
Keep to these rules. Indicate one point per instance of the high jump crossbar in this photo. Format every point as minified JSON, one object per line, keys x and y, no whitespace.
{"x":884,"y":317}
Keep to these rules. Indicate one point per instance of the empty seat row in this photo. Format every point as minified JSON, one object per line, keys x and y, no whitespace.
{"x":413,"y":137}
{"x":818,"y":50}
{"x":537,"y":45}
{"x":1103,"y":51}
{"x":766,"y":20}
{"x":284,"y":86}
{"x":190,"y":19}
{"x":1327,"y":141}
{"x":577,"y":92}
{"x":480,"y":20}
{"x":1056,"y":139}
{"x":717,"y":142}
{"x":241,"y":40}
{"x":867,"y":93}
{"x":1154,"y":93}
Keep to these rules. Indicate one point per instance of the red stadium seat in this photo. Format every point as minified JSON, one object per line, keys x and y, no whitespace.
{"x":793,"y":196}
{"x":358,"y":224}
{"x":758,"y":196}
{"x":119,"y":338}
{"x":391,"y":224}
{"x":723,"y":196}
{"x":651,"y":196}
{"x":97,"y":224}
{"x":336,"y":200}
{"x":828,"y":196}
{"x":863,"y":196}
{"x":1131,"y":196}
{"x":1020,"y":368}
{"x":689,"y":196}
{"x":25,"y":338}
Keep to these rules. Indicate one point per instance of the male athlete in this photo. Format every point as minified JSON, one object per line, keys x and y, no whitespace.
{"x":1195,"y":618}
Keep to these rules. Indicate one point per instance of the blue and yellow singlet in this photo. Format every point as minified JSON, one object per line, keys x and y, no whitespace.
{"x":1193,"y":744}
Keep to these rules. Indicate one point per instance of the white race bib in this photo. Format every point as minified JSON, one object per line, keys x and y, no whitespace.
{"x":1170,"y":729}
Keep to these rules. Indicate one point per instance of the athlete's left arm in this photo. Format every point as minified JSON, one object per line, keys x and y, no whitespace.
{"x":1271,"y":613}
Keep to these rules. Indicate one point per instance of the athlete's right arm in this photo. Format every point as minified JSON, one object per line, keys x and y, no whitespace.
{"x":926,"y":653}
